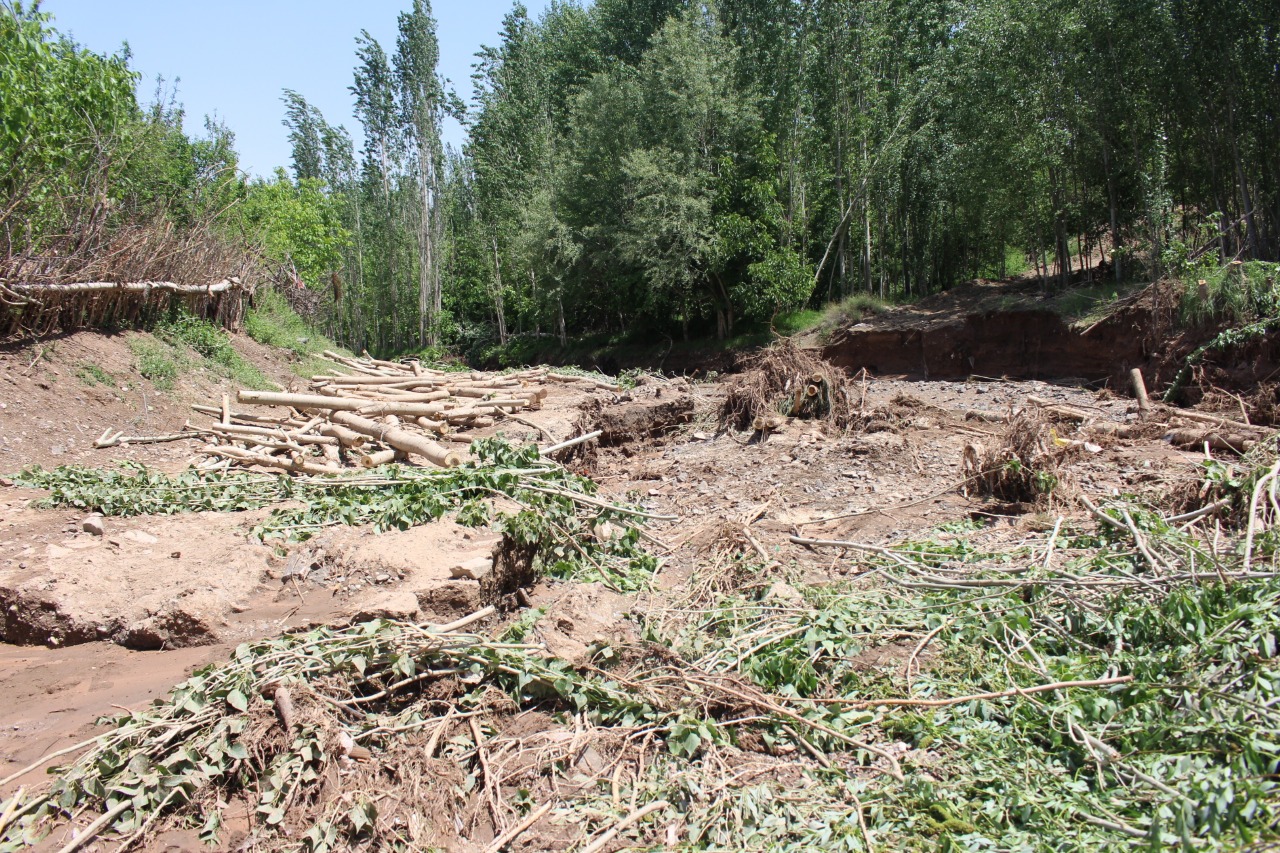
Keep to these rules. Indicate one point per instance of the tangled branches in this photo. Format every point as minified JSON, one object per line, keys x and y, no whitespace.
{"x":786,"y":380}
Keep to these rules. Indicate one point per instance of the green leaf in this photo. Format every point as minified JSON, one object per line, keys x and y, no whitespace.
{"x":237,"y":700}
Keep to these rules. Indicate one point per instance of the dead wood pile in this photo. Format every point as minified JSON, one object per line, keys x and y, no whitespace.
{"x":1026,"y":465}
{"x":370,"y":413}
{"x":41,"y":308}
{"x":785,"y":381}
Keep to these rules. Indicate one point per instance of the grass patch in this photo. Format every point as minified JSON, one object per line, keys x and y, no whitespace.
{"x":1235,"y":293}
{"x":157,"y":361}
{"x":272,"y":322}
{"x":91,"y":374}
{"x":213,"y":345}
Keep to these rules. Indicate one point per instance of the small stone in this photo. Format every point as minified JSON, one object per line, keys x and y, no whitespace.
{"x":382,"y":578}
{"x":94,"y":524}
{"x":175,"y":555}
{"x":139,"y":536}
{"x":472,"y":569}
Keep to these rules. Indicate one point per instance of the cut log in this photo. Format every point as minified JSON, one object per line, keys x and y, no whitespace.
{"x":382,"y":457}
{"x":300,"y":466}
{"x":382,"y":381}
{"x":1193,"y":439}
{"x":346,"y":437}
{"x":27,"y":289}
{"x":338,"y":404}
{"x":400,"y":439}
{"x":275,"y":434}
{"x":1216,"y":420}
{"x":768,"y":423}
{"x":1140,"y":390}
{"x":1066,"y":413}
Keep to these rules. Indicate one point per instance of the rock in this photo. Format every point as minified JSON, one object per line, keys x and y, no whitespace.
{"x":139,"y":536}
{"x":784,"y":593}
{"x":474,"y":569}
{"x":94,"y":524}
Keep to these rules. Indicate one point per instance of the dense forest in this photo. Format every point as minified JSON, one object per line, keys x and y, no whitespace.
{"x":667,"y":169}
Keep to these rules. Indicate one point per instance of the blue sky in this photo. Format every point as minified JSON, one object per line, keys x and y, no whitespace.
{"x":232,"y":58}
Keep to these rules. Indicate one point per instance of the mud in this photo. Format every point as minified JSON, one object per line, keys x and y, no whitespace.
{"x":1013,"y":344}
{"x":641,"y":419}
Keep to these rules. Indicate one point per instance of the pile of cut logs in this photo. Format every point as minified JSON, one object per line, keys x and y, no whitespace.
{"x":371,"y":413}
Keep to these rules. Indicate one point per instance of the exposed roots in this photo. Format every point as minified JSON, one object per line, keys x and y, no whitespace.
{"x":1027,"y":464}
{"x":784,"y":380}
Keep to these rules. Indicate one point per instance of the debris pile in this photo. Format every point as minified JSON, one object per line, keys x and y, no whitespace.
{"x":784,"y":381}
{"x":371,"y":413}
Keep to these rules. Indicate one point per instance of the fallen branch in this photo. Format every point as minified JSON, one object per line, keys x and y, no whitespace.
{"x":119,"y":438}
{"x":635,"y":817}
{"x":573,"y":442}
{"x":976,"y":697}
{"x":516,"y":831}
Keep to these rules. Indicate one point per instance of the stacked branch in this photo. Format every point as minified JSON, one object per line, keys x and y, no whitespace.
{"x":369,"y":413}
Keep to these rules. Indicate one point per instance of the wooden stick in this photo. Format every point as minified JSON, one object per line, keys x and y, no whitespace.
{"x":482,"y":613}
{"x":120,"y":438}
{"x":516,"y":831}
{"x":1140,"y":390}
{"x":635,"y":817}
{"x":565,"y":445}
{"x":548,"y":436}
{"x":959,"y":700}
{"x":91,"y":831}
{"x":240,"y":416}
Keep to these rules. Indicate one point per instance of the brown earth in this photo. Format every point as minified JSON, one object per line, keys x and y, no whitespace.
{"x":1001,"y":329}
{"x":96,"y":623}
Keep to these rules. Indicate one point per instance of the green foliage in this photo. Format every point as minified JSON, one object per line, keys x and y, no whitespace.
{"x":272,"y":322}
{"x":91,"y":374}
{"x":1236,"y":293}
{"x":62,"y":108}
{"x":214,"y":747}
{"x":1224,"y":340}
{"x":299,"y":226}
{"x":210,"y":343}
{"x":157,"y":360}
{"x":1183,"y":754}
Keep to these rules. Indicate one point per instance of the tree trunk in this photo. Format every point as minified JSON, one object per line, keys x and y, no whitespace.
{"x":1117,"y":259}
{"x":497,"y":294}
